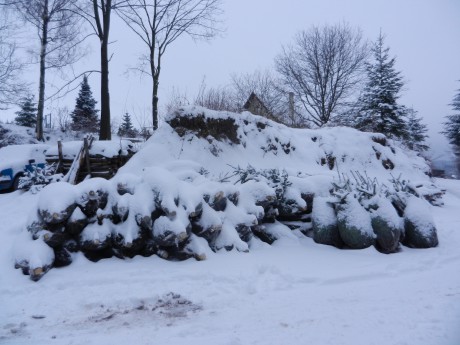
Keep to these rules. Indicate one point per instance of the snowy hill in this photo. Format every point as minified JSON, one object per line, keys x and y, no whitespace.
{"x":218,"y":141}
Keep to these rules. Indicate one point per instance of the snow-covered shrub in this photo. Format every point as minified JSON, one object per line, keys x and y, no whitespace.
{"x":386,"y":205}
{"x":420,"y":231}
{"x":290,"y":202}
{"x":37,"y":177}
{"x":386,"y":223}
{"x":354,"y":224}
{"x":324,"y":223}
{"x":424,"y":189}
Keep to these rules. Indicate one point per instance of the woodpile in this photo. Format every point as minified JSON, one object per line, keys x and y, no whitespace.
{"x":154,"y":215}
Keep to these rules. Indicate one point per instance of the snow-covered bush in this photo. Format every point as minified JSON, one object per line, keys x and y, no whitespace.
{"x":37,"y":177}
{"x":290,"y":201}
{"x":386,"y":223}
{"x":385,"y":206}
{"x":420,"y":231}
{"x":324,"y":222}
{"x":354,"y":223}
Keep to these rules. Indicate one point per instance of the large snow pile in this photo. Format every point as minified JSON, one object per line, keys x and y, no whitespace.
{"x":208,"y":181}
{"x":218,"y":140}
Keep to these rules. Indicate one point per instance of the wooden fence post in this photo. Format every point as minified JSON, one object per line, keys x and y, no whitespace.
{"x":86,"y":150}
{"x":61,"y":157}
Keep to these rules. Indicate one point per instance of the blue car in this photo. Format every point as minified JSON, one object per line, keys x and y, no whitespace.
{"x":15,"y":159}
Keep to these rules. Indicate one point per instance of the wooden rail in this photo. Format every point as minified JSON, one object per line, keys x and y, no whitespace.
{"x":86,"y":164}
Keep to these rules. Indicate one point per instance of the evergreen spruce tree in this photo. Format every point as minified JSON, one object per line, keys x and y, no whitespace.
{"x":416,"y":131}
{"x":27,"y":116}
{"x":452,"y":125}
{"x":85,"y":116}
{"x":126,"y":129}
{"x":379,"y":110}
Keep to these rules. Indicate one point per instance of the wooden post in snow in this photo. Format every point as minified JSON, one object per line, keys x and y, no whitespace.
{"x":61,"y":157}
{"x":86,"y":154}
{"x":72,"y":174}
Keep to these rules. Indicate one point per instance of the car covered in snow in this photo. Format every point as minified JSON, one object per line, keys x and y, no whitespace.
{"x":16,"y":159}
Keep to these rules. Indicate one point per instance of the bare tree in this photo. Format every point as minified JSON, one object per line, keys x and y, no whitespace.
{"x":322,"y":68}
{"x":11,"y":89}
{"x":177,"y":99}
{"x":62,"y":116}
{"x":59,"y":35}
{"x":98,"y":14}
{"x":216,"y":98}
{"x":159,"y":23}
{"x":100,"y":19}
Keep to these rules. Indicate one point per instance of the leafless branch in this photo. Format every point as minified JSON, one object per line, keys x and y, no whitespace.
{"x":57,"y":95}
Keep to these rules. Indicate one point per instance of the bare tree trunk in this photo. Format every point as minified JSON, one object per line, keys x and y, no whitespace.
{"x":103,"y":30}
{"x":155,"y":73}
{"x":105,"y":133}
{"x":41,"y":87}
{"x":156,"y":78}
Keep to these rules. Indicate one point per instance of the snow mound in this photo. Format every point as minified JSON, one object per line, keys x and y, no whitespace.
{"x":218,"y":141}
{"x":11,"y":134}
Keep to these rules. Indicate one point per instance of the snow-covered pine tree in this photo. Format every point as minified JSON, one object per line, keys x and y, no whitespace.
{"x":85,"y":116}
{"x":126,"y":129}
{"x":416,"y":131}
{"x":452,"y":125}
{"x":379,"y":110}
{"x":27,"y":116}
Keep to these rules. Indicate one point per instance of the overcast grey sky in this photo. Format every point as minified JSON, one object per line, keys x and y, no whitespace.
{"x":424,"y":35}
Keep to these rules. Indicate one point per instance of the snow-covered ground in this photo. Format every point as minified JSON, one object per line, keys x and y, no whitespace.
{"x":294,"y":292}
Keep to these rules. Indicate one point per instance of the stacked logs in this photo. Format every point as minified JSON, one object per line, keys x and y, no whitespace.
{"x":155,"y":215}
